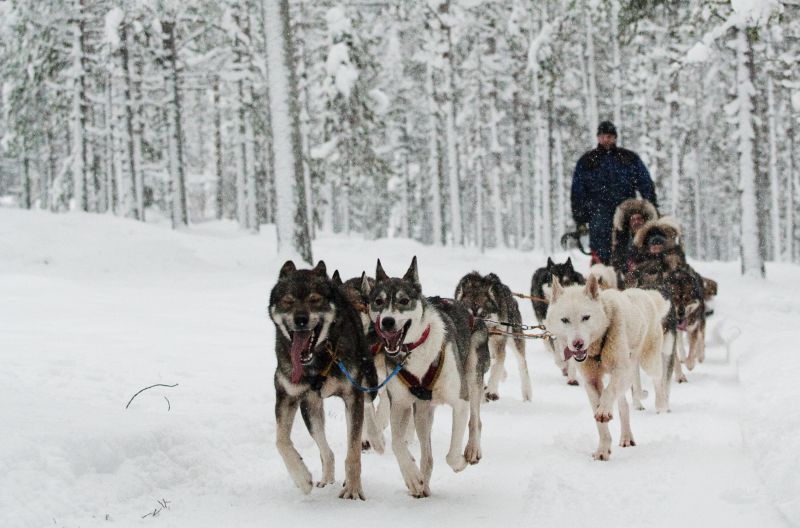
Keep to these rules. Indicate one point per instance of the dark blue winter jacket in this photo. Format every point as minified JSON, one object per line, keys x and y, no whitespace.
{"x":603,"y":179}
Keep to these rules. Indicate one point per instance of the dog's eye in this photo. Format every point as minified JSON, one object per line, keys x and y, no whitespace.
{"x":378,"y":301}
{"x":403,"y":302}
{"x":287,"y":301}
{"x":314,"y":299}
{"x":565,"y":320}
{"x":585,"y":318}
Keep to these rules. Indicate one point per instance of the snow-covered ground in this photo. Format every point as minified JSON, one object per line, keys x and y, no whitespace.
{"x":94,"y":308}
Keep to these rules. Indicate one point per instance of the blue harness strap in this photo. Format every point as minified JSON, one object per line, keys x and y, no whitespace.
{"x":355,"y":384}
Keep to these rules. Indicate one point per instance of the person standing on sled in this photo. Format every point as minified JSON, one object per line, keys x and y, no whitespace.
{"x":604,"y":178}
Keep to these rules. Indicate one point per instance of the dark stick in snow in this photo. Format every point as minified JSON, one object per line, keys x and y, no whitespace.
{"x":150,"y":387}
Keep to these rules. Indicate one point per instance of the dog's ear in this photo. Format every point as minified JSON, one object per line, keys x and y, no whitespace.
{"x":365,"y":289}
{"x":336,"y":279}
{"x":550,"y":263}
{"x":380,"y":275}
{"x":557,"y":290}
{"x":568,"y":263}
{"x":320,"y":269}
{"x":287,"y":268}
{"x":459,"y":290}
{"x":592,"y":287}
{"x":412,"y":275}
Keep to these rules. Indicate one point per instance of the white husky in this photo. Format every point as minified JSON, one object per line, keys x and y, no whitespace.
{"x":608,"y":332}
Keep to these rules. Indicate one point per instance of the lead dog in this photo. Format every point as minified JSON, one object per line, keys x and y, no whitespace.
{"x":608,"y":332}
{"x":430,"y":340}
{"x":486,"y":297}
{"x":315,"y":327}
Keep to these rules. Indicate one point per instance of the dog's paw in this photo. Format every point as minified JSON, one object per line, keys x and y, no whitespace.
{"x":416,"y":484}
{"x":638,"y":406}
{"x":603,"y":415}
{"x":564,"y":371}
{"x":426,"y":492}
{"x":302,"y":479}
{"x":472,"y":453}
{"x":352,"y":492}
{"x":690,"y":363}
{"x":526,"y":396}
{"x":627,"y":442}
{"x":492,"y":396}
{"x":365,"y":445}
{"x":602,"y":454}
{"x":682,"y":379}
{"x":457,"y":462}
{"x":324,"y":482}
{"x":573,"y":382}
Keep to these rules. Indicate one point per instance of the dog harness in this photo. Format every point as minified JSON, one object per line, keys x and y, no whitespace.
{"x":423,"y":389}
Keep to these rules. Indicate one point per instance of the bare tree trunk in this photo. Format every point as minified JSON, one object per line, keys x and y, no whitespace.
{"x":293,"y":233}
{"x":219,"y":195}
{"x":672,"y":137}
{"x":616,"y":69}
{"x":79,"y":110}
{"x":590,"y":70}
{"x":752,"y":263}
{"x":452,"y":140}
{"x":133,"y":159}
{"x":180,"y":214}
{"x":774,"y":178}
{"x":26,"y":179}
{"x":433,"y":162}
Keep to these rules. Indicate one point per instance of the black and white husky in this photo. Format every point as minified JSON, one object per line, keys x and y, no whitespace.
{"x":430,"y":339}
{"x":486,"y":297}
{"x":316,"y":327}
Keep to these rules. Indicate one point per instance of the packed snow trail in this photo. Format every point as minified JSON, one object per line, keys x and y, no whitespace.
{"x":94,"y":308}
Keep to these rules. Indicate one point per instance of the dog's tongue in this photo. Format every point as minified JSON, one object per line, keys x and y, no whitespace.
{"x":300,"y":342}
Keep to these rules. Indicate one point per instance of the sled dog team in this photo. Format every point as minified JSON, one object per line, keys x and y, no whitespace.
{"x":393,"y":354}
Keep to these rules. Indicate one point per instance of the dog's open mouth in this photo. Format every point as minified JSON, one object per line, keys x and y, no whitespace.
{"x":577,"y":355}
{"x":303,"y":344}
{"x":683,"y":324}
{"x":393,"y":340}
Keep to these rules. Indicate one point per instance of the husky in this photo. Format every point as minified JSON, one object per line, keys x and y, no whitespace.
{"x":316,"y":326}
{"x":606,"y":276}
{"x":429,"y":339}
{"x":357,"y":290}
{"x":486,"y":297}
{"x":541,"y":288}
{"x":651,"y":276}
{"x":608,"y":332}
{"x":686,"y":286}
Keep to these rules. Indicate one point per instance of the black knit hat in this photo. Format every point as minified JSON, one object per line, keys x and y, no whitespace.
{"x":607,"y":127}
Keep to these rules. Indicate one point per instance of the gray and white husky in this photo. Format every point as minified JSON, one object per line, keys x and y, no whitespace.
{"x":486,"y":297}
{"x":316,"y":327}
{"x":430,"y":339}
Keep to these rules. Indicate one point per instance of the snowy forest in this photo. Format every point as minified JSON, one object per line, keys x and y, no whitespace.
{"x":451,"y":122}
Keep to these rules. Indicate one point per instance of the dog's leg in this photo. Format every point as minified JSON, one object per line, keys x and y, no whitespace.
{"x":701,"y":341}
{"x":637,"y":393}
{"x":594,"y":389}
{"x":400,"y":417}
{"x":313,"y":413}
{"x":285,"y":411}
{"x":691,"y":359}
{"x":677,"y":338}
{"x":525,"y":377}
{"x":372,"y":435}
{"x":625,"y":433}
{"x":681,"y":346}
{"x":475,"y":387}
{"x":668,"y":363}
{"x":383,"y":409}
{"x":455,"y":457}
{"x":572,"y":373}
{"x":354,"y":410}
{"x":497,"y":372}
{"x":423,"y":420}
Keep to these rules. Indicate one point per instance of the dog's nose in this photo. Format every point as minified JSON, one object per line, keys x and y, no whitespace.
{"x":301,"y":320}
{"x":577,"y":344}
{"x":387,"y":323}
